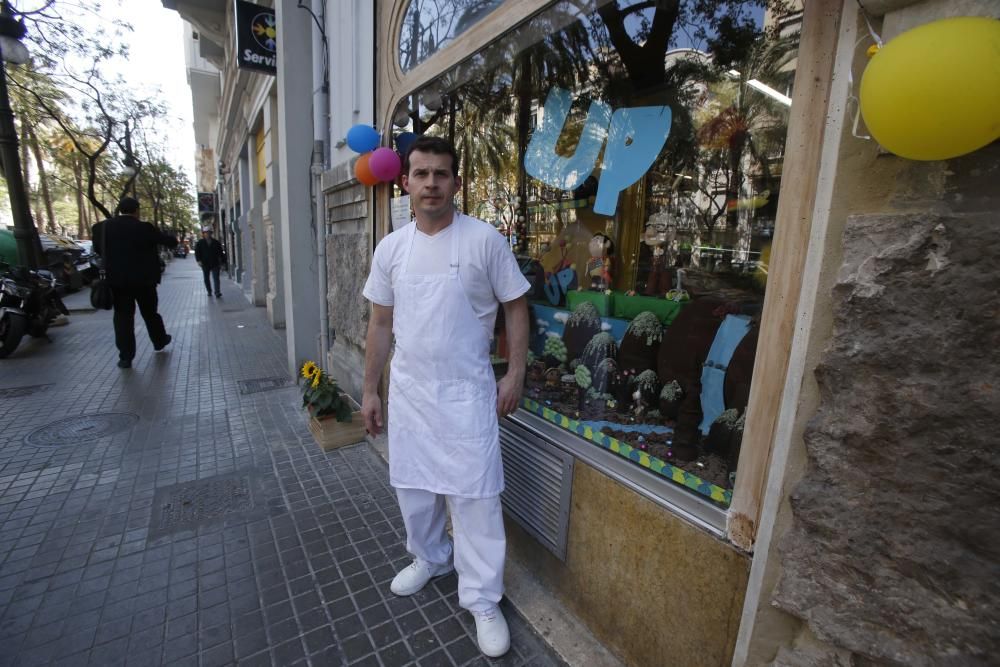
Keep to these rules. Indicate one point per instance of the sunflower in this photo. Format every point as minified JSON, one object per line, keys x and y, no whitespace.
{"x":309,"y":370}
{"x":317,"y":376}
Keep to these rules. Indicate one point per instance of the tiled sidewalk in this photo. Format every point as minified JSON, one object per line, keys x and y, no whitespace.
{"x":170,"y":514}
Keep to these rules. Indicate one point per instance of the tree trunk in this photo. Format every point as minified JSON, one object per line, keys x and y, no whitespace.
{"x":26,"y":172}
{"x":91,"y":181}
{"x":82,"y":226}
{"x":524,"y":97}
{"x":467,"y":169}
{"x":642,"y":62}
{"x":735,"y":180}
{"x":43,"y":179}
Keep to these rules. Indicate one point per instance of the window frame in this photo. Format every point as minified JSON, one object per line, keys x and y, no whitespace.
{"x":794,"y":223}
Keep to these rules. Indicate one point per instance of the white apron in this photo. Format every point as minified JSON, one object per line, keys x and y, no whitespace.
{"x":443,"y":429}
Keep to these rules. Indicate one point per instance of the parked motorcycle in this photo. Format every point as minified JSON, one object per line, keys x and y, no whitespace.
{"x":29,"y":303}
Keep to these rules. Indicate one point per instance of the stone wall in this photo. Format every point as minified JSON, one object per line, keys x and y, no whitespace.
{"x":274,"y":298}
{"x":257,"y":258}
{"x":893,"y":552}
{"x":348,"y":257}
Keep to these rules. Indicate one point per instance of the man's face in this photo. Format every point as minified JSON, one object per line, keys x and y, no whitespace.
{"x":431,"y":184}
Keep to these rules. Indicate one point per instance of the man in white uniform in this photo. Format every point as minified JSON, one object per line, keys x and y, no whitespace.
{"x":436,"y":284}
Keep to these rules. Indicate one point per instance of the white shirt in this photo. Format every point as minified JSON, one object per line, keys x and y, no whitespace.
{"x":487,"y":267}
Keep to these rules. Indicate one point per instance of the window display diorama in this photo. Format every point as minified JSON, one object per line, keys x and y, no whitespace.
{"x":631,"y":153}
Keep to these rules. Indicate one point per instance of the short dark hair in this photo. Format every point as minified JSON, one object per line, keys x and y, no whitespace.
{"x":435,"y":145}
{"x":128,"y":205}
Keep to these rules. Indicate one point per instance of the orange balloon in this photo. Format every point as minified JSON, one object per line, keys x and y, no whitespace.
{"x":363,"y":172}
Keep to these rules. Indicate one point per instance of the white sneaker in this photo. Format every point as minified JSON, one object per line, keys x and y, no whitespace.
{"x":492,"y":632}
{"x":415,"y":576}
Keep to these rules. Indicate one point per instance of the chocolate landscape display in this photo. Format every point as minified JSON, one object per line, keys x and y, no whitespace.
{"x":669,"y":395}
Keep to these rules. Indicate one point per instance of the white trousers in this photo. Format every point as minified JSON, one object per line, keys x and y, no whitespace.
{"x":480,"y":542}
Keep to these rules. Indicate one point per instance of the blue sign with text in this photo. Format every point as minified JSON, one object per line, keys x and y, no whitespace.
{"x":634,"y":137}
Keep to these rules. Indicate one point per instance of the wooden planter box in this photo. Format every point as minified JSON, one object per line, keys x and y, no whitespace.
{"x":331,"y":434}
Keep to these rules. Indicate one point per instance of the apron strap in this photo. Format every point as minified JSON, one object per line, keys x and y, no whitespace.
{"x":411,"y":234}
{"x":453,"y":259}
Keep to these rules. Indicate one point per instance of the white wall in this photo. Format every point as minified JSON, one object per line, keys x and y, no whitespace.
{"x":351,"y":37}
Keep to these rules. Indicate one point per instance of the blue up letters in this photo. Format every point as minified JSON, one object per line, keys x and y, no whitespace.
{"x":635,"y":138}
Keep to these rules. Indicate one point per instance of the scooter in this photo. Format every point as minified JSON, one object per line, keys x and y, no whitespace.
{"x":29,"y":303}
{"x":13,"y":320}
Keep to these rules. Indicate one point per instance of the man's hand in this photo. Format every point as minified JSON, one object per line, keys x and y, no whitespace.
{"x":509,"y":390}
{"x":371,"y":412}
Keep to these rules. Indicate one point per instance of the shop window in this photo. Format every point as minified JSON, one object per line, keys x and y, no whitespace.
{"x":430,"y":25}
{"x":631,"y":154}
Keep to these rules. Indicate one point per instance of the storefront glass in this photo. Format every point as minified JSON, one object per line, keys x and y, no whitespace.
{"x":431,"y":24}
{"x":632,"y":157}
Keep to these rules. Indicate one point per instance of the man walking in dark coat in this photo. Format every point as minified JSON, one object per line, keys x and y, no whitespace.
{"x":208,"y":252}
{"x":128,"y":247}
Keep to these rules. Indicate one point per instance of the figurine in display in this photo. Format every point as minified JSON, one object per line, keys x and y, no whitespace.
{"x":562,"y":278}
{"x":658,"y":235}
{"x":599,"y":265}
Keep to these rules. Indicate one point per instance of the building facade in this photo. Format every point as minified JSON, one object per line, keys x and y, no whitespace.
{"x":754,"y":422}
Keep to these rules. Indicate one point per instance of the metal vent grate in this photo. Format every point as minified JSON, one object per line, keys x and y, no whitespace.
{"x":82,"y":429}
{"x":189,"y":505}
{"x":18,"y":392}
{"x":538,"y":485}
{"x":257,"y":385}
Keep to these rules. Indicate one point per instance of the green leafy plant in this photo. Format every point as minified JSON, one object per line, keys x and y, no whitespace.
{"x":321,"y":396}
{"x":555,"y":348}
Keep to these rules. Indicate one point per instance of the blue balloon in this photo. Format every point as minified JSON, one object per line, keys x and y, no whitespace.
{"x":362,"y":138}
{"x":404,"y":141}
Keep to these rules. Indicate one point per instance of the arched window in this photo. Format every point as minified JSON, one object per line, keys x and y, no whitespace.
{"x":430,"y":24}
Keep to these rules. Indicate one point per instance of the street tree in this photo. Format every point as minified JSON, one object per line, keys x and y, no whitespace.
{"x":68,"y":91}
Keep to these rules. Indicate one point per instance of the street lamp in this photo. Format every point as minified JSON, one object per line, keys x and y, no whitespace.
{"x":131,"y":165}
{"x":29,"y":248}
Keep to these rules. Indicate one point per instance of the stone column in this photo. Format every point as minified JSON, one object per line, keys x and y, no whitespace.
{"x":298,"y":246}
{"x":272,"y":215}
{"x":244,"y":270}
{"x":256,"y":241}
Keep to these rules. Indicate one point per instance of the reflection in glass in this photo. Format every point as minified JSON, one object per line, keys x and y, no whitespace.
{"x":430,"y":24}
{"x":631,"y":154}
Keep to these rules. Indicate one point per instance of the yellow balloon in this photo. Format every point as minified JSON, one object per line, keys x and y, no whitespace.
{"x":933,"y":93}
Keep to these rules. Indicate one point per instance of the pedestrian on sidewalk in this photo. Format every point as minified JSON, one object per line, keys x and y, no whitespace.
{"x":129,"y":249}
{"x":437,"y":285}
{"x":210,"y":256}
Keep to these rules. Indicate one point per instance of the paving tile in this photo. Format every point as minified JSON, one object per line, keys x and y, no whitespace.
{"x":110,"y":653}
{"x":395,"y":654}
{"x":357,"y":647}
{"x":249,"y":644}
{"x":218,"y":655}
{"x":287,"y":653}
{"x":465,"y":649}
{"x":87,"y":575}
{"x":175,"y":649}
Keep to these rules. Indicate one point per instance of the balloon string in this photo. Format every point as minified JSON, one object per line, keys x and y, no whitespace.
{"x":852,"y":98}
{"x":871,"y":31}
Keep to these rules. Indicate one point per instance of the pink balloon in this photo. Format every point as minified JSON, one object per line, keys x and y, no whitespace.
{"x":384,"y":164}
